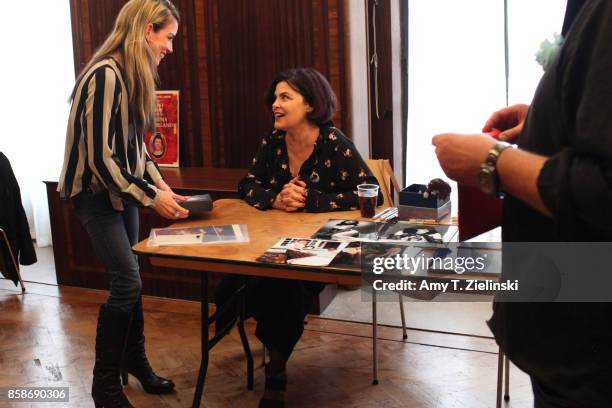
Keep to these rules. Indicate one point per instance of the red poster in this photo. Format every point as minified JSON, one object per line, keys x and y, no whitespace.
{"x":163,"y":145}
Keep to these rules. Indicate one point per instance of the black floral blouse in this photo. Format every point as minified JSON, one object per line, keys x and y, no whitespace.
{"x":331,"y":173}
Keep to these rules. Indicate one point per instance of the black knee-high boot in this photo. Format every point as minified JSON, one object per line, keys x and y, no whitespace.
{"x":111,"y":334}
{"x":135,"y":359}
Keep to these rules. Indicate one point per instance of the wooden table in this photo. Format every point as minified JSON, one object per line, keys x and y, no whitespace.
{"x":265,"y":229}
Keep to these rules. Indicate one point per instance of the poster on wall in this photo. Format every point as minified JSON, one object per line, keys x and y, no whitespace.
{"x":163,"y":145}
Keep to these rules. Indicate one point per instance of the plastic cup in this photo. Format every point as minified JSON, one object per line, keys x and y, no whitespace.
{"x":368,"y":195}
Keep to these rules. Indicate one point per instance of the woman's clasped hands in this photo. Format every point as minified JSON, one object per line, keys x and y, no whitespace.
{"x":292,"y":197}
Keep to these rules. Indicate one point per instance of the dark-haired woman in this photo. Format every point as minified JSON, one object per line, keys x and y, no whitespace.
{"x":303,"y":164}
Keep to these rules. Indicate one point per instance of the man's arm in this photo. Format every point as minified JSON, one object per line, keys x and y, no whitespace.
{"x":518,"y":172}
{"x":462,"y":155}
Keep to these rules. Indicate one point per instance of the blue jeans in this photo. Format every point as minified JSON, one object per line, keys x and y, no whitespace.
{"x":112,"y":234}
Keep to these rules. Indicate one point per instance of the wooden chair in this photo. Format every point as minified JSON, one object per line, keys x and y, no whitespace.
{"x":8,"y":261}
{"x":381,"y":169}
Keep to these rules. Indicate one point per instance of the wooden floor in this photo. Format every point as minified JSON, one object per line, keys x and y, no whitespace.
{"x":47,"y":339}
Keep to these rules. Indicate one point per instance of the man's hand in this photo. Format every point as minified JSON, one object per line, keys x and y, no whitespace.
{"x":509,"y":120}
{"x":292,"y":197}
{"x":460,"y":156}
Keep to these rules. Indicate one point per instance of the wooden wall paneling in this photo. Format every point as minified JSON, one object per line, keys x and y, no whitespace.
{"x":238,"y":91}
{"x":231,"y":65}
{"x":347,"y":91}
{"x":259,"y":39}
{"x":101,"y":19}
{"x":338,"y":59}
{"x":174,"y":76}
{"x":80,"y":36}
{"x":178,"y":72}
{"x":215,"y":84}
{"x":226,"y":54}
{"x":381,"y":127}
{"x":198,"y":34}
{"x":321,"y":38}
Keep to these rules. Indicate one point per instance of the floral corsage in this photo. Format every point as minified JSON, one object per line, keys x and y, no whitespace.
{"x":549,"y":50}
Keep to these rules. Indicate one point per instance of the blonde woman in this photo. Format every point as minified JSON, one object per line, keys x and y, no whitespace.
{"x":107,"y":174}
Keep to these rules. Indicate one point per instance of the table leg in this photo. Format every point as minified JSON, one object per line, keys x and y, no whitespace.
{"x":197,"y":397}
{"x":374,"y":346}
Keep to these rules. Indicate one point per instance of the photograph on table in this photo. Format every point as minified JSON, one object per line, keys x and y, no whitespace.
{"x":302,"y":251}
{"x":207,"y":234}
{"x":347,"y":230}
{"x":367,"y":231}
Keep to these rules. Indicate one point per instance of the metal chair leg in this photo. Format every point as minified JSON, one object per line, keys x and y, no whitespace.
{"x":374,"y":346}
{"x":403,"y":316}
{"x":507,"y":378}
{"x":500,"y":374}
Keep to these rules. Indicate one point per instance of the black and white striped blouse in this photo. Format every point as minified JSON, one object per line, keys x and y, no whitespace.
{"x":103,"y":150}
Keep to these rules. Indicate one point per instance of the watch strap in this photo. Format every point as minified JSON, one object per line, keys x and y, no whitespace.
{"x":489,"y":168}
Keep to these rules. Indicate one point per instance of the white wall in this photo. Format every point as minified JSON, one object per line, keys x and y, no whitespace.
{"x":36,"y":74}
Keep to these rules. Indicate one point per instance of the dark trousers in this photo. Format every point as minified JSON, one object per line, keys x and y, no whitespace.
{"x":539,"y":396}
{"x":112,"y":234}
{"x":278,"y":305}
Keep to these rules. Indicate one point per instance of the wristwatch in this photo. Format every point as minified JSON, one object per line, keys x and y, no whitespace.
{"x":488,"y":178}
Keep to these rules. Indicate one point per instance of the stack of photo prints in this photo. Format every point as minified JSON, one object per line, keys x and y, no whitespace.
{"x":339,"y":242}
{"x":346,"y":236}
{"x":208,"y":234}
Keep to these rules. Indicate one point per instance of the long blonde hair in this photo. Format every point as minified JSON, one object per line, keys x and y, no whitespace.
{"x":128,"y":38}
